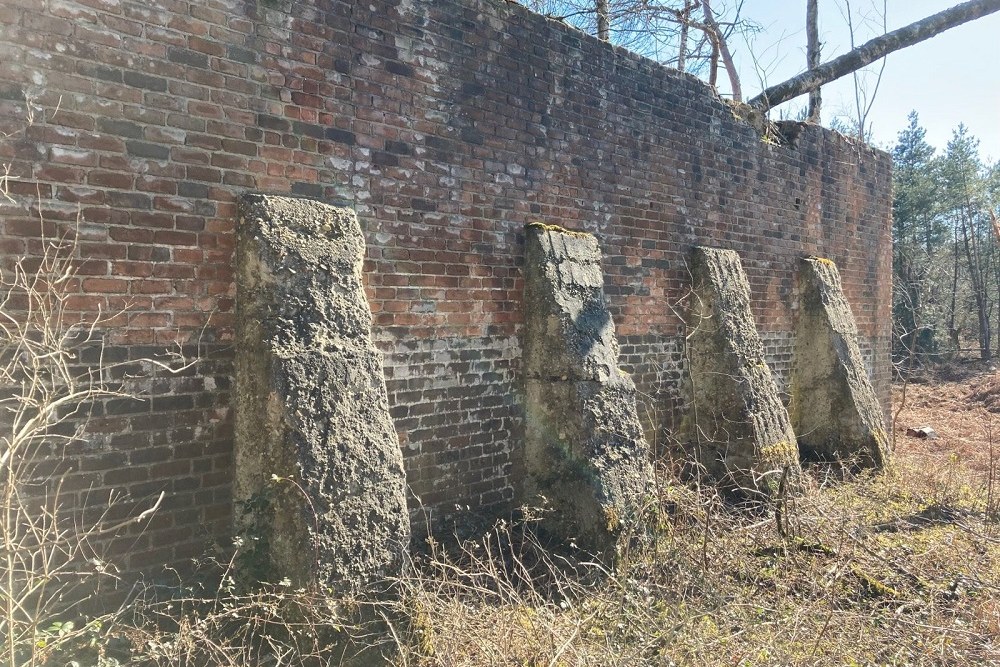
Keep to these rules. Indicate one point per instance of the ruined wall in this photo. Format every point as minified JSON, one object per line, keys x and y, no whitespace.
{"x":447,"y":125}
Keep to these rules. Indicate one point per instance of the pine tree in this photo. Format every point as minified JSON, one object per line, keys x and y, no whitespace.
{"x":965,"y":200}
{"x":914,"y":206}
{"x":918,"y":235}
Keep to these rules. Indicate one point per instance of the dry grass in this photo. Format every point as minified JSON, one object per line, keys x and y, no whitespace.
{"x":901,"y":568}
{"x":895,"y":569}
{"x":871,"y":577}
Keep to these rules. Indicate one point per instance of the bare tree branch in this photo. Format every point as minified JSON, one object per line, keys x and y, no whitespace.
{"x":727,"y":57}
{"x":873,"y":50}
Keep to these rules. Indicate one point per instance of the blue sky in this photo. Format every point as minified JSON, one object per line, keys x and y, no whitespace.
{"x":950,"y":79}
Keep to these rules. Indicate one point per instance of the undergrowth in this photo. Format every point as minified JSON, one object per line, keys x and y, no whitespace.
{"x":894,"y":569}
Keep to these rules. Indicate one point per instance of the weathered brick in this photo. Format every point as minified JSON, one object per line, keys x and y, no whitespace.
{"x":308,"y":129}
{"x":273,"y":122}
{"x":400,"y":69}
{"x":68,"y":118}
{"x":185,"y":104}
{"x":193,"y":190}
{"x":340,"y":136}
{"x":312,"y":190}
{"x":208,"y":46}
{"x":146,"y":81}
{"x":399,"y":147}
{"x":241,"y":54}
{"x":99,"y":71}
{"x":187,"y":57}
{"x":147,"y":150}
{"x":240,"y":147}
{"x":129,"y":200}
{"x":121,"y":128}
{"x":55,"y":25}
{"x":111,"y":285}
{"x":11,"y":91}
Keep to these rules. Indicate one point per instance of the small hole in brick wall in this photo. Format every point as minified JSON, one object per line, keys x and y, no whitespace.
{"x":798,"y":203}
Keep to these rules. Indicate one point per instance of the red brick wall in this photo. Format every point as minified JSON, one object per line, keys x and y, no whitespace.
{"x":447,"y":125}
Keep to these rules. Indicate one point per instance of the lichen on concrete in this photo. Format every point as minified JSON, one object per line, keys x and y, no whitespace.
{"x":319,"y":472}
{"x":585,"y":453}
{"x":735,"y":424}
{"x":834,"y":408}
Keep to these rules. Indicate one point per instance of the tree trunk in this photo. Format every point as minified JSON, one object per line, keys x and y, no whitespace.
{"x":996,"y":280}
{"x":603,"y":21}
{"x":953,"y":332}
{"x":995,"y":225}
{"x":871,"y":51}
{"x":995,"y":265}
{"x":682,"y":51}
{"x":974,"y":258}
{"x":713,"y":63}
{"x":727,"y":57}
{"x":908,"y":294}
{"x":812,"y":55}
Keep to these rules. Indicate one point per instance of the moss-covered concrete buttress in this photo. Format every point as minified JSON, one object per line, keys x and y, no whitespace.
{"x":735,"y":424}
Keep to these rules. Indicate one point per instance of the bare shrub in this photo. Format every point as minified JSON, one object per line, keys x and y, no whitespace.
{"x":50,"y":563}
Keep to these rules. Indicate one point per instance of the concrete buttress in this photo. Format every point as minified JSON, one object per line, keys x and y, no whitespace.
{"x":584,"y":448}
{"x":735,"y":423}
{"x":319,"y":476}
{"x":834,"y":408}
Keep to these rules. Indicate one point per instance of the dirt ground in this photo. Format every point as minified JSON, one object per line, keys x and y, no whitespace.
{"x":962,"y":405}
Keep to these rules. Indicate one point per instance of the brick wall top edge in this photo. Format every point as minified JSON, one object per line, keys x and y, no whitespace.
{"x":621,"y":53}
{"x":618,"y":56}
